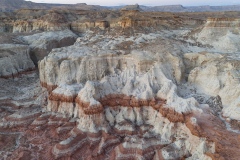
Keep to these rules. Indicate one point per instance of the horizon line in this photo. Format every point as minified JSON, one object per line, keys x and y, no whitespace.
{"x":134,"y":4}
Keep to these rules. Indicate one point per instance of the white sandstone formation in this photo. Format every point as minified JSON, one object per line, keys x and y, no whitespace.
{"x":136,"y":74}
{"x":221,"y":33}
{"x":42,"y":43}
{"x":233,"y":111}
{"x":14,"y":60}
{"x":215,"y":74}
{"x":109,"y":90}
{"x":91,"y":75}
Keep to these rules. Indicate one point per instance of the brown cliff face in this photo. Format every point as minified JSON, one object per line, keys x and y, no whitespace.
{"x":129,"y":22}
{"x":222,"y":22}
{"x":82,"y":27}
{"x":222,"y":19}
{"x":29,"y":20}
{"x":52,"y":21}
{"x":102,"y":24}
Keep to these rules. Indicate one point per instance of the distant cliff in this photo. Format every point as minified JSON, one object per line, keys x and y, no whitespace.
{"x":11,"y":5}
{"x":132,"y":7}
{"x":169,"y":8}
{"x":180,"y":8}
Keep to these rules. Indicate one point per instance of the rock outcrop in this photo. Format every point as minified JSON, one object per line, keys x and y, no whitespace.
{"x":36,"y":20}
{"x":132,"y":7}
{"x":52,"y":21}
{"x":180,"y":8}
{"x":101,"y":68}
{"x":14,"y":60}
{"x":220,"y":33}
{"x":124,"y":95}
{"x":215,"y":74}
{"x":42,"y":43}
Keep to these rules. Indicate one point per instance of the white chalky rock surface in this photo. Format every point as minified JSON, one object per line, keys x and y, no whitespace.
{"x":141,"y":74}
{"x":42,"y":43}
{"x":14,"y":59}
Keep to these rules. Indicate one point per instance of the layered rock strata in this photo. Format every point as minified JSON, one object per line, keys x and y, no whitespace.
{"x":220,"y":33}
{"x":82,"y":27}
{"x":137,"y":132}
{"x":222,"y":22}
{"x":131,"y":7}
{"x":50,"y":21}
{"x":14,"y":60}
{"x":109,"y":85}
{"x":36,"y":20}
{"x":122,"y":95}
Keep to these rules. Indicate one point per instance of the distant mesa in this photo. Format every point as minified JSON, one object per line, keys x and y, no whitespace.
{"x":180,"y":8}
{"x":12,"y":5}
{"x":82,"y":4}
{"x":132,"y":7}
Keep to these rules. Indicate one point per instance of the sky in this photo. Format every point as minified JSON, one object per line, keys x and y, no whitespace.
{"x":145,"y":2}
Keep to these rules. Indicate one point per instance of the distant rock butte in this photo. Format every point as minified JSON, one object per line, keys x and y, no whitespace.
{"x":131,"y":7}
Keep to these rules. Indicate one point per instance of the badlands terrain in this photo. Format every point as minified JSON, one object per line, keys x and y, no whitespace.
{"x":80,"y":85}
{"x":13,"y":5}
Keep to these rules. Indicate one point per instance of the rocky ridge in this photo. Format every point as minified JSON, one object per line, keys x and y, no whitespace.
{"x":79,"y":21}
{"x":12,"y":5}
{"x":180,"y":8}
{"x":132,"y":7}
